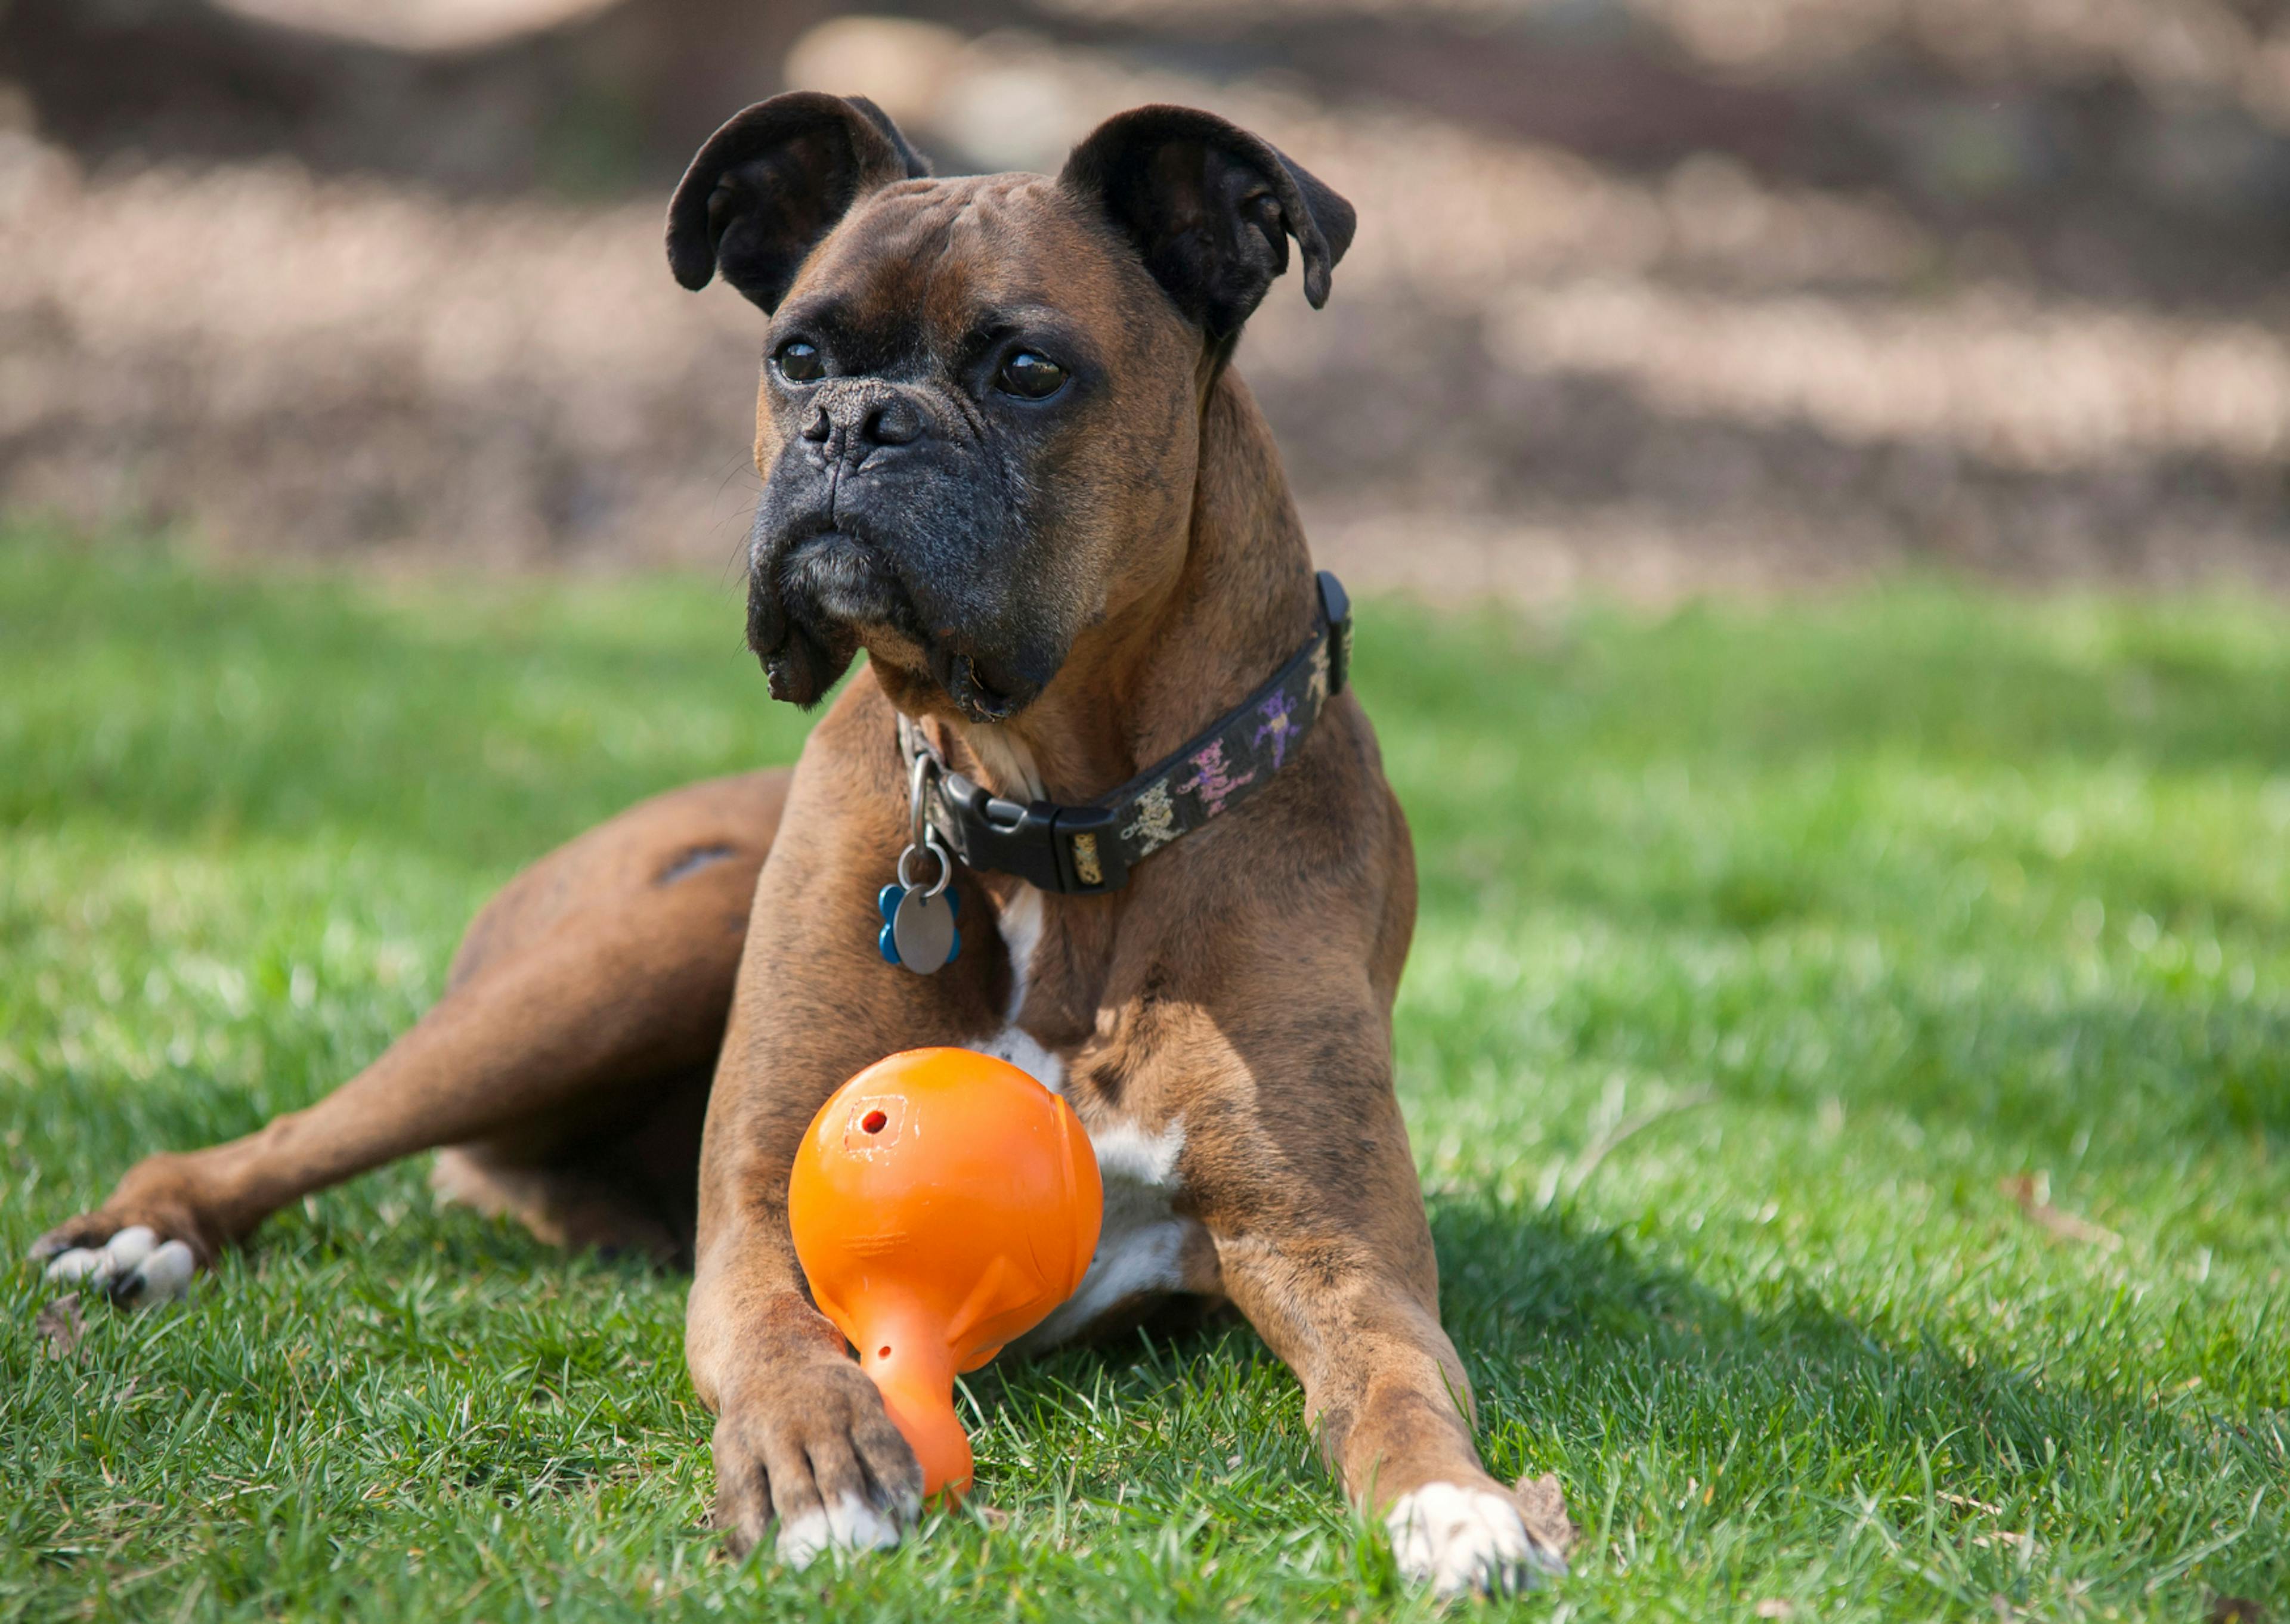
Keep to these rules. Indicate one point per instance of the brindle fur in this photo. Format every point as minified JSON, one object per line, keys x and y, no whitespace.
{"x":1075,"y":591}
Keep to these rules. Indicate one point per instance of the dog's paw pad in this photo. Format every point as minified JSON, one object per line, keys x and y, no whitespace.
{"x":1463,"y":1539}
{"x":850,"y":1524}
{"x":134,"y":1266}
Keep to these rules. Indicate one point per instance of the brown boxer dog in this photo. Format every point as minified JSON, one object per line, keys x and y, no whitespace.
{"x":1004,"y":454}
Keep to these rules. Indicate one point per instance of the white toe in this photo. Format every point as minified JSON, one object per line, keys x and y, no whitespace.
{"x":1463,"y":1539}
{"x":77,"y":1264}
{"x":849,"y":1524}
{"x":129,"y":1248}
{"x":165,"y":1275}
{"x":857,"y":1526}
{"x":803,"y":1538}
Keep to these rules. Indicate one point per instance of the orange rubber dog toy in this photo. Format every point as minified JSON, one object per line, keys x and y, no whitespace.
{"x":942,"y":1203}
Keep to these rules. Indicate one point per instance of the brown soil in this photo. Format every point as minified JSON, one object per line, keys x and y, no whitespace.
{"x":1720,"y":335}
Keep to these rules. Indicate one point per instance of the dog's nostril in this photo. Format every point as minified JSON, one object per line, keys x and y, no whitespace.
{"x":874,"y":1122}
{"x":894,"y":423}
{"x":819,"y":426}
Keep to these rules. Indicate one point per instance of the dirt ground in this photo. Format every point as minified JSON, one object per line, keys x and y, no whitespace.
{"x":1692,"y":303}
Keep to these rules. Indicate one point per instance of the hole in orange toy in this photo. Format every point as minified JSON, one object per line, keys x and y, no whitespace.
{"x":883,"y":1352}
{"x":874,"y":1122}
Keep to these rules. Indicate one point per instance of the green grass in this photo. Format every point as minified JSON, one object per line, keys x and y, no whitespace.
{"x":1759,"y":946}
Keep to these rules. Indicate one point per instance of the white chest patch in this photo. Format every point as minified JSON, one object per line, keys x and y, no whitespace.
{"x":1016,"y":1046}
{"x":1143,"y":1241}
{"x":1020,"y":920}
{"x":1141,"y":1247}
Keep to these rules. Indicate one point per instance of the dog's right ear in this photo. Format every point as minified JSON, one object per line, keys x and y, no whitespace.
{"x":771,"y":183}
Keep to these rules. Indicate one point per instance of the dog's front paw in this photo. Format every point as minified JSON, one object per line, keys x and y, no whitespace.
{"x":1467,"y":1539}
{"x":131,"y":1264}
{"x":821,"y":1457}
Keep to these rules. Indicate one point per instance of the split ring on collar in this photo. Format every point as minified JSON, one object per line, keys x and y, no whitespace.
{"x":929,"y":843}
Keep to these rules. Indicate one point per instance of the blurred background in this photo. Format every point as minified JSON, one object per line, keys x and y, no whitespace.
{"x":1650,"y":296}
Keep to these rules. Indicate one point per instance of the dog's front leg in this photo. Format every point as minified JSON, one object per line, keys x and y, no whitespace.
{"x":1387,"y":1396}
{"x":1297,"y":1161}
{"x":801,"y":1434}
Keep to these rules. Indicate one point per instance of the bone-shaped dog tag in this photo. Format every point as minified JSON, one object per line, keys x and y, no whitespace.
{"x":918,"y":931}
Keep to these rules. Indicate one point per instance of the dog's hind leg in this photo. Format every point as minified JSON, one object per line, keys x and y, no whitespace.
{"x":584,"y":998}
{"x":625,"y":1183}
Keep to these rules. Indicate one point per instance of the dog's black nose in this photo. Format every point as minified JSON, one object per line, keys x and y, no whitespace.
{"x":853,"y":416}
{"x":897,"y":422}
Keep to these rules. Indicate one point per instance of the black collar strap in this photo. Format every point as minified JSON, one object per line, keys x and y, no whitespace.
{"x":1081,"y":851}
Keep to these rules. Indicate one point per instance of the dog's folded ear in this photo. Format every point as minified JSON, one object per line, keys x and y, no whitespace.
{"x":1210,"y":208}
{"x":772,"y":182}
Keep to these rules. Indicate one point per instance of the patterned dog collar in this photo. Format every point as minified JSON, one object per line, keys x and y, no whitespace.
{"x":1081,"y":851}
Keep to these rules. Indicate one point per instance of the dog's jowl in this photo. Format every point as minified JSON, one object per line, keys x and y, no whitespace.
{"x":1104,"y":716}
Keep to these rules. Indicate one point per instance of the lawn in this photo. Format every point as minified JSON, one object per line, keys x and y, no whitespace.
{"x":1847,"y":1048}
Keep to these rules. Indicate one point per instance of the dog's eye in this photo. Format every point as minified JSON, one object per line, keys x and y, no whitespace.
{"x":1030,"y":377}
{"x":799,"y":361}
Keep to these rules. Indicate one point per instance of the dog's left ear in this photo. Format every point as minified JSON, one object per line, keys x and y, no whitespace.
{"x":771,"y":183}
{"x":1210,"y":208}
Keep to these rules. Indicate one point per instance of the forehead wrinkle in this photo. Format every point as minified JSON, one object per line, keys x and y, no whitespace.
{"x":998,"y":255}
{"x":876,"y":262}
{"x":919,"y":267}
{"x":945,"y":300}
{"x":976,"y":270}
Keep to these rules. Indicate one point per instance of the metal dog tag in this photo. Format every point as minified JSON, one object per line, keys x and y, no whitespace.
{"x":918,"y":928}
{"x":923,"y":929}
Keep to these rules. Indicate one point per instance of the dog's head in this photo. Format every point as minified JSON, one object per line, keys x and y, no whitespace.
{"x":981,"y":403}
